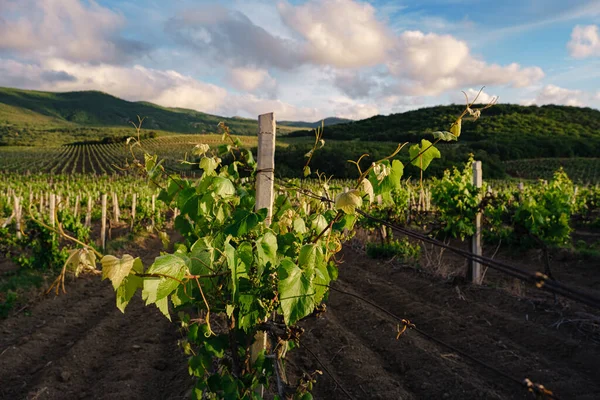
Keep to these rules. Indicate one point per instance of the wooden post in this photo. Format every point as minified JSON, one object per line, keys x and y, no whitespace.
{"x":133,"y":205}
{"x":76,"y":211}
{"x":153,"y":209}
{"x":116,"y":211}
{"x":17,"y":213}
{"x":266,"y":164}
{"x":103,"y":226}
{"x":264,"y":196}
{"x":88,"y":215}
{"x":52,"y":209}
{"x":476,"y":239}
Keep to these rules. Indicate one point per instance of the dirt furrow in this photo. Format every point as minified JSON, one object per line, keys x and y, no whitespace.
{"x":80,"y":346}
{"x":488,"y":324}
{"x":531,"y":345}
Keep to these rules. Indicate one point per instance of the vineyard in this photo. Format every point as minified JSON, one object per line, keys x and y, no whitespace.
{"x":367,"y":281}
{"x":103,"y":158}
{"x":584,"y":170}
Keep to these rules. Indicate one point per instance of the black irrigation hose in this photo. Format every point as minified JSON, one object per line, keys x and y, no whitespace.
{"x":538,"y":389}
{"x":538,"y":279}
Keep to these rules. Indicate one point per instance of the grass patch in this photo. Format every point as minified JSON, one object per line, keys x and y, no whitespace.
{"x":15,"y":286}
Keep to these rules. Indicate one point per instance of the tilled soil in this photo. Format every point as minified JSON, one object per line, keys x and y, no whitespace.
{"x":79,"y":346}
{"x":357,"y":343}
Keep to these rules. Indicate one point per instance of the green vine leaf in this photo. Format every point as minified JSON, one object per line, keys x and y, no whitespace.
{"x":223,"y":187}
{"x":445,"y":136}
{"x":127,"y":289}
{"x":117,"y":269}
{"x":239,"y":262}
{"x":244,"y":222}
{"x":208,"y":164}
{"x":170,"y":269}
{"x":429,"y":151}
{"x":266,"y":251}
{"x":299,"y":226}
{"x":306,"y":171}
{"x":296,"y":291}
{"x":349,"y":201}
{"x":366,"y":187}
{"x":455,"y":128}
{"x":311,"y":256}
{"x":318,"y":223}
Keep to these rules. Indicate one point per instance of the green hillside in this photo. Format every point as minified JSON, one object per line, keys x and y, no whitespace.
{"x":33,"y":117}
{"x":504,"y":132}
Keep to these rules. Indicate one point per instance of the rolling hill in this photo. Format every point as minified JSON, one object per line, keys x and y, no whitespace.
{"x":32,"y":117}
{"x":504,"y":132}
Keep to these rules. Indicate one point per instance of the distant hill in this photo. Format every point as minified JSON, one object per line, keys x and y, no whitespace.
{"x":326,"y":122}
{"x":508,"y":131}
{"x":33,"y":117}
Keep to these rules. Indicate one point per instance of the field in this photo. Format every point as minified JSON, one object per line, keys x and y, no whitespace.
{"x":582,"y":170}
{"x":111,"y":158}
{"x":504,"y":323}
{"x":514,"y":329}
{"x":395,"y":280}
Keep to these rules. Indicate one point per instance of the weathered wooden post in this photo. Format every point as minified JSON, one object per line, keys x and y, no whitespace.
{"x":52,"y":209}
{"x":266,"y":164}
{"x":133,"y":206}
{"x":116,"y":211}
{"x":264,"y":194}
{"x":103,"y":224}
{"x":17,"y":213}
{"x":88,"y":214}
{"x":153,"y":209}
{"x":475,"y":267}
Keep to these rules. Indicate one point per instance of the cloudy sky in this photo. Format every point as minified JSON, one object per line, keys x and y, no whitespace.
{"x":306,"y":59}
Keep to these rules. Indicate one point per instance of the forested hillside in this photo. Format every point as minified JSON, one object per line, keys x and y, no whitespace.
{"x":504,"y":132}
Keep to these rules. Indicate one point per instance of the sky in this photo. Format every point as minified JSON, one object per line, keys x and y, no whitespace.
{"x":306,"y":60}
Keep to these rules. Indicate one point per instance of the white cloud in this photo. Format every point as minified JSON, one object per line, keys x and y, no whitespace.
{"x":341,"y":33}
{"x":551,"y":94}
{"x":347,"y":36}
{"x":355,"y":111}
{"x":250,"y":106}
{"x":30,"y":76}
{"x":355,"y":84}
{"x":429,"y":64}
{"x":252,"y":79}
{"x":167,"y":88}
{"x":230,"y":37}
{"x":69,"y":29}
{"x":585,"y":41}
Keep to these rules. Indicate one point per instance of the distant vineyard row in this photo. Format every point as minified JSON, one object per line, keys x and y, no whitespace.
{"x":103,"y":158}
{"x":581,"y":170}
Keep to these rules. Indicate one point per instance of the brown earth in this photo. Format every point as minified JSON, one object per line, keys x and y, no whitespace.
{"x":554,"y":345}
{"x":79,"y":345}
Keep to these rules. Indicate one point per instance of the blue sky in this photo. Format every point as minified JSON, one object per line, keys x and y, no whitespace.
{"x":306,"y":59}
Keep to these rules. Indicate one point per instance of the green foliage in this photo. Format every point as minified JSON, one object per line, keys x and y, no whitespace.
{"x":545,"y":211}
{"x":457,"y":200}
{"x":403,"y":249}
{"x":42,"y":250}
{"x":233,"y":264}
